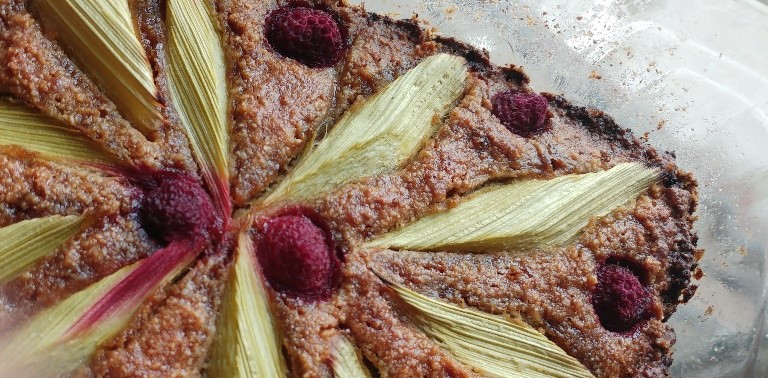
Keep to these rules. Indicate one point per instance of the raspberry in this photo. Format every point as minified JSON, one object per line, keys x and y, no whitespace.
{"x":296,"y":257}
{"x":177,"y":207}
{"x":310,"y":36}
{"x":620,"y":300}
{"x":522,"y":113}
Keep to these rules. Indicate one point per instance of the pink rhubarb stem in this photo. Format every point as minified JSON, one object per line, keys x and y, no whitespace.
{"x":131,"y":291}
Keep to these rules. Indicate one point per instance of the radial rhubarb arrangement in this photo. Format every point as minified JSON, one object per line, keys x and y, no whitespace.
{"x":303,"y":188}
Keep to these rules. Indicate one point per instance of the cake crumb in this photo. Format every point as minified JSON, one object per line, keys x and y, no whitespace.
{"x":450,"y":12}
{"x":595,"y":75}
{"x":709,"y":310}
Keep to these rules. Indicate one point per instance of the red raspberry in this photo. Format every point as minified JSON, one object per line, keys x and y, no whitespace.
{"x":619,"y":299}
{"x":310,"y":36}
{"x":177,"y":207}
{"x":522,"y":113}
{"x":296,"y":257}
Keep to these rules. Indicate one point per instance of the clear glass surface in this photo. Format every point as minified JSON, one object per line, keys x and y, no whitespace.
{"x":693,"y":77}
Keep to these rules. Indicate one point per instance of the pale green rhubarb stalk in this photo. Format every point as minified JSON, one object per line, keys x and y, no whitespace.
{"x":489,"y":344}
{"x":198,"y":88}
{"x":347,"y":361}
{"x":103,"y":38}
{"x":61,"y":338}
{"x":247,"y":343}
{"x":22,"y":127}
{"x":24,"y":243}
{"x":382,"y":132}
{"x":525,"y":214}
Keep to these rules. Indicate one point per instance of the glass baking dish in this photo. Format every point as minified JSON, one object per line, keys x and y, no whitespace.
{"x":693,"y":77}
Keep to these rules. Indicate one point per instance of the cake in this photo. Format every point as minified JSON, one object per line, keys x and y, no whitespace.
{"x":235,"y":187}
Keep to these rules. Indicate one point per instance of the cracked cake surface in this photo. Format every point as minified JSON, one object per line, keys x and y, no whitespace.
{"x":197,"y":256}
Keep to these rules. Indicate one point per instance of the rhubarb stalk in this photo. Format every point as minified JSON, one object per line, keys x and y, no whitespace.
{"x":61,"y":338}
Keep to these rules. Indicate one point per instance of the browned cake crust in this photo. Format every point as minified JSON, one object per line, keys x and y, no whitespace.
{"x":277,"y":107}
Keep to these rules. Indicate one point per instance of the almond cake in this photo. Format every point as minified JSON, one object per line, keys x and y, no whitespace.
{"x":290,"y":188}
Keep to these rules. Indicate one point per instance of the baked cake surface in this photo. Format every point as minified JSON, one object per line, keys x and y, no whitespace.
{"x":303,"y":199}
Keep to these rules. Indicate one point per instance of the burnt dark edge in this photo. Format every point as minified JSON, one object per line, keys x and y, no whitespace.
{"x":409,"y":26}
{"x":477,"y":60}
{"x":596,"y":122}
{"x":682,"y":265}
{"x":683,"y":257}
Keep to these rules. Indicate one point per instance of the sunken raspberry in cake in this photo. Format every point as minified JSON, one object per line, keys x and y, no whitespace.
{"x":169,"y":226}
